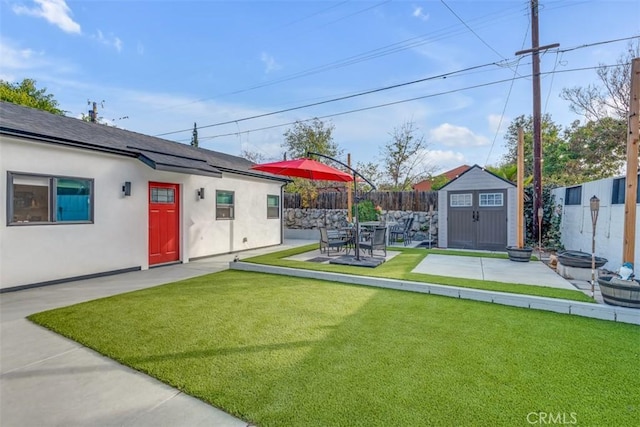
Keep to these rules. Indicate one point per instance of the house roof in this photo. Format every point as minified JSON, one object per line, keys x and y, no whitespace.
{"x":425,"y":185}
{"x":157,"y":153}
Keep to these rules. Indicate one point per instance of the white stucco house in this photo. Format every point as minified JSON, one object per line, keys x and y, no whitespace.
{"x":84,"y":199}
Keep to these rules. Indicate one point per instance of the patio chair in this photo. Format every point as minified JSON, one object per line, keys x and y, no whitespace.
{"x":326,"y":242}
{"x":396,"y":232}
{"x":378,"y":241}
{"x":403,"y":232}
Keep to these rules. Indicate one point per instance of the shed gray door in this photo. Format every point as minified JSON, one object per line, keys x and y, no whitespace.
{"x":477,"y":219}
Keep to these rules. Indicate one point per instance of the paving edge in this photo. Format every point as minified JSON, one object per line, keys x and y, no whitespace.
{"x":576,"y":308}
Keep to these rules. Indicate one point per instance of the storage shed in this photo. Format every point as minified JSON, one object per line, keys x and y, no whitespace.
{"x":477,"y":210}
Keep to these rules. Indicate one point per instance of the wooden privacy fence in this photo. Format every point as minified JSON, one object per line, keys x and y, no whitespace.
{"x":421,"y":201}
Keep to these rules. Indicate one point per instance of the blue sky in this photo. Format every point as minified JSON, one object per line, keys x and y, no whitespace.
{"x":157,"y":67}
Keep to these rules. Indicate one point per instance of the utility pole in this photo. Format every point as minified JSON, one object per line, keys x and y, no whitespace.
{"x":537,"y":112}
{"x":93,"y":114}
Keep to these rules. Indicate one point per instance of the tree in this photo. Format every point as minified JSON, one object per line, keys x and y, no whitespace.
{"x":596,"y":150}
{"x":194,"y":136}
{"x":509,"y":172}
{"x":253,"y":156}
{"x":26,"y":93}
{"x":611,"y":98}
{"x":405,"y":158}
{"x":370,"y":171}
{"x":554,"y":148}
{"x":315,"y":136}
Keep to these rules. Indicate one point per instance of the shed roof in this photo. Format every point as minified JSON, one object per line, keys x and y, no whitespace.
{"x":473,"y":168}
{"x":158,"y":153}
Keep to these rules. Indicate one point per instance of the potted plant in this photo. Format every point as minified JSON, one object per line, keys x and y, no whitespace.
{"x":519,"y":254}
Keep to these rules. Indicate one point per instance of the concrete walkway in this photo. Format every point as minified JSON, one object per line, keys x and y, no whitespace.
{"x":494,"y":269}
{"x":48,"y":380}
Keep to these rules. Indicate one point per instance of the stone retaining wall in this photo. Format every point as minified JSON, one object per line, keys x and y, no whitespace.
{"x":425,"y":224}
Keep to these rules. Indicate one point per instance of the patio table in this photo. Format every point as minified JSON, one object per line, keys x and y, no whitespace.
{"x":370,"y":225}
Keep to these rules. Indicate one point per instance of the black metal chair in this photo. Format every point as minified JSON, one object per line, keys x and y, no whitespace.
{"x":378,"y":241}
{"x":326,"y":242}
{"x":403,"y":232}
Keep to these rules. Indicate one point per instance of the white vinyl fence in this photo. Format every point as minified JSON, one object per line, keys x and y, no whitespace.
{"x":576,"y":225}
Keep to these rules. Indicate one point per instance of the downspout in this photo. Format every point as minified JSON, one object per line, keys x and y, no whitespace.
{"x":282,"y":220}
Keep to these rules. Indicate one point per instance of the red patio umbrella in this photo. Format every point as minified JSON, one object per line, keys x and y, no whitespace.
{"x":305,"y":168}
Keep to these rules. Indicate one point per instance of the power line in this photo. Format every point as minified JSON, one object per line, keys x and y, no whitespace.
{"x":409,"y":43}
{"x":506,"y":102}
{"x":444,"y":75}
{"x":471,"y":29}
{"x":342,"y":98}
{"x":368,"y":92}
{"x":388,"y":104}
{"x":304,"y":18}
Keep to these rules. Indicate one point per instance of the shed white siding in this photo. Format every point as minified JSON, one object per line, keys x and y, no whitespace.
{"x":477,"y":179}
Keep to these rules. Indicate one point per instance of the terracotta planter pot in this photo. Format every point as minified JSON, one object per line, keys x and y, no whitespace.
{"x":519,"y":254}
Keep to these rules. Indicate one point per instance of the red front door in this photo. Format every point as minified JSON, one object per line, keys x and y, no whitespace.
{"x":164,"y":223}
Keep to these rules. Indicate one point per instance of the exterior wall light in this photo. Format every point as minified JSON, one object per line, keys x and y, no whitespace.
{"x":126,"y":188}
{"x":200,"y":193}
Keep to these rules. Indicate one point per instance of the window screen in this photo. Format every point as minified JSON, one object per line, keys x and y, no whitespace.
{"x":273,"y":206}
{"x":224,"y":204}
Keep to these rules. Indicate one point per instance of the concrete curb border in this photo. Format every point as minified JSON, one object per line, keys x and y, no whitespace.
{"x":576,"y":308}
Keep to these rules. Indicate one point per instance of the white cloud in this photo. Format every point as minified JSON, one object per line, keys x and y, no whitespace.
{"x":111,"y":40}
{"x":456,"y":136}
{"x":444,"y":160}
{"x":15,"y":58}
{"x":56,"y":12}
{"x":417,"y":12}
{"x":269,"y":62}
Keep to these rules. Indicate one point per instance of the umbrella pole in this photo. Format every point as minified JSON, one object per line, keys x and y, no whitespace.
{"x":357,"y":233}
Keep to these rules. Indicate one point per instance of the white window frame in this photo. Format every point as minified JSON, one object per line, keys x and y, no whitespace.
{"x":461,"y":200}
{"x":484,"y":202}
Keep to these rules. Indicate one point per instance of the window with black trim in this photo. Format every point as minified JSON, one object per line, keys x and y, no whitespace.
{"x":42,"y":199}
{"x":224,"y":204}
{"x":618,"y":191}
{"x":573,"y":196}
{"x":273,"y":206}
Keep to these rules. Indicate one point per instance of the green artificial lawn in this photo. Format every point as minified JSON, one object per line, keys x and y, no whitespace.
{"x":282,"y":351}
{"x":400,"y":267}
